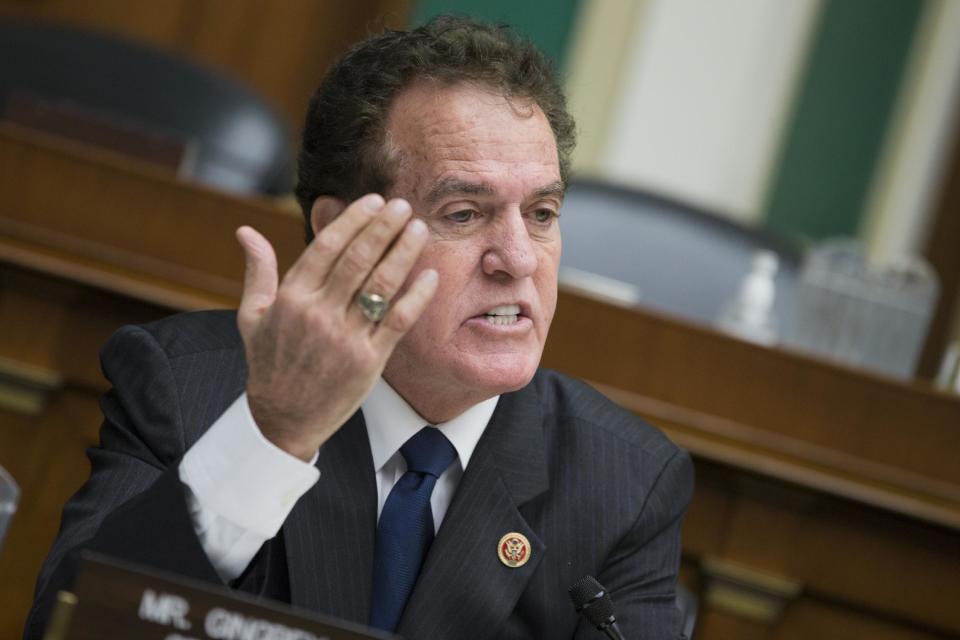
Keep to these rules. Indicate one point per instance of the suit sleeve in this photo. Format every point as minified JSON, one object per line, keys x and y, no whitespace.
{"x":132,"y":506}
{"x":641,"y":574}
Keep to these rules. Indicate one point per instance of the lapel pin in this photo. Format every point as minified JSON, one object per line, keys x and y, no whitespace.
{"x":514,"y":549}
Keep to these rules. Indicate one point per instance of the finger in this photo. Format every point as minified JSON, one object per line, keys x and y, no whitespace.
{"x":406,"y":310}
{"x":311,"y":269}
{"x":393,"y":270}
{"x":259,"y":277}
{"x":362,"y":255}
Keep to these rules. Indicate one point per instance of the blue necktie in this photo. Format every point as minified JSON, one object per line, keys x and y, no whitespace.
{"x":405,"y":531}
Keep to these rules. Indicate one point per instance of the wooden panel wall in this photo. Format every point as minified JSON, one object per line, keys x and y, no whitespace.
{"x":281,"y":49}
{"x":774,"y":559}
{"x":51,"y":330}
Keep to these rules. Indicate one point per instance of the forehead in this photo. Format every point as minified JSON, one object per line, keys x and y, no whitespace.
{"x":443,"y":132}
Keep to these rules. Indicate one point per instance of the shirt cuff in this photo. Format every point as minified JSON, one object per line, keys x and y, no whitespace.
{"x":236,"y":473}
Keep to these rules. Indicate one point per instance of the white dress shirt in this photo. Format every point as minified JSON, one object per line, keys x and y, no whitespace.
{"x":241,"y":487}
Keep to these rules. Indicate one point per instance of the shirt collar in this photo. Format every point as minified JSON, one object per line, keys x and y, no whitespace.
{"x":391,"y":422}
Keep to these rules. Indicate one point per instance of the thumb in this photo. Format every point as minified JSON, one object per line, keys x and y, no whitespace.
{"x":260,"y":275}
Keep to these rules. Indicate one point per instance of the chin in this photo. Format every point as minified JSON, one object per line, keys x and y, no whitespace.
{"x":498,"y":375}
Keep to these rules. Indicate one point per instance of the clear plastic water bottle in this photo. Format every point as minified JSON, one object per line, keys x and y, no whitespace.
{"x":749,"y":315}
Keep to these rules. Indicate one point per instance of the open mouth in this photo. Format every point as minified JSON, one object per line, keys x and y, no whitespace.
{"x":503,"y":315}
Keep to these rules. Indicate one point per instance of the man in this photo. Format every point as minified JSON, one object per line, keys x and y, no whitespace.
{"x":376,"y":441}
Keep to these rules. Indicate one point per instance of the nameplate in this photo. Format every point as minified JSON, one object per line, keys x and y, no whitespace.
{"x":119,"y":600}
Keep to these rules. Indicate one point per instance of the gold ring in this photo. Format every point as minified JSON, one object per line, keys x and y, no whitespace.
{"x":373,"y":305}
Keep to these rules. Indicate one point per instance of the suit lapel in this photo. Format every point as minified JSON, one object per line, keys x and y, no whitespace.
{"x":464,"y":591}
{"x":330,"y":534}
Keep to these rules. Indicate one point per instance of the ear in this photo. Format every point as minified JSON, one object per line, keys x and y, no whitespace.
{"x":324,"y":210}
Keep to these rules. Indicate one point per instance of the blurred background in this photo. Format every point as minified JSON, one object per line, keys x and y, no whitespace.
{"x":763,"y":223}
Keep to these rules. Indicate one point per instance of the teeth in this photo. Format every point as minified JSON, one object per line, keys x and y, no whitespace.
{"x":504,"y":314}
{"x":505,"y":310}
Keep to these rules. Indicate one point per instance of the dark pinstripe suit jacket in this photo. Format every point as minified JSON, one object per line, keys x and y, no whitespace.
{"x":595,"y":490}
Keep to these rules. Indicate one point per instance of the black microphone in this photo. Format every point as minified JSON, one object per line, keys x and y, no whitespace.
{"x":593,"y":602}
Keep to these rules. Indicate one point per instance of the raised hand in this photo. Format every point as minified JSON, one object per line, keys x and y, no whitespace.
{"x":312,"y":355}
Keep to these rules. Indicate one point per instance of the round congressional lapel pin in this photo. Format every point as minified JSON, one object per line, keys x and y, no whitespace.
{"x":514,"y":550}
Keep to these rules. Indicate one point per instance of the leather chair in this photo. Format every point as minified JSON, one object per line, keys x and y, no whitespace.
{"x":677,"y":258}
{"x":236,"y":141}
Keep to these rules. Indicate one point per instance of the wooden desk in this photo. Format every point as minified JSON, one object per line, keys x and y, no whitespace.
{"x":827,"y":501}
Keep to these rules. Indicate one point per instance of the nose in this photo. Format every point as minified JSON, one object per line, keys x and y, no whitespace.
{"x":511,"y":251}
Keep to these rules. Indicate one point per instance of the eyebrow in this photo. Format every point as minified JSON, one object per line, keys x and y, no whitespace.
{"x":452,"y":186}
{"x":555,"y":189}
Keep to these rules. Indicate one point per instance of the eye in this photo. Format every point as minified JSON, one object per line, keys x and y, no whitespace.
{"x":466,"y":215}
{"x":543,"y":216}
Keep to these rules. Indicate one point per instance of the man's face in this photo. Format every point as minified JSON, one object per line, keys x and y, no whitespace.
{"x":483,"y":173}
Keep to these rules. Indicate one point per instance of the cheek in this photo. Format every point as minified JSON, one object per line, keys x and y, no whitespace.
{"x":455,"y":266}
{"x":548,"y":301}
{"x":547,"y":281}
{"x":442,"y":315}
